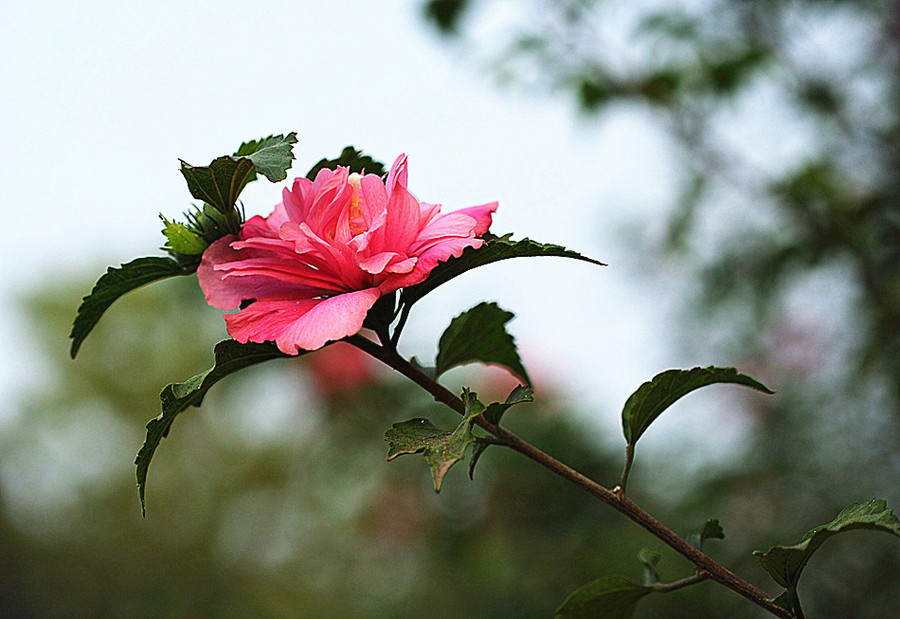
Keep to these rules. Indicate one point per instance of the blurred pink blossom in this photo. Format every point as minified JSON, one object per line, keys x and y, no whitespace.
{"x":310,"y":272}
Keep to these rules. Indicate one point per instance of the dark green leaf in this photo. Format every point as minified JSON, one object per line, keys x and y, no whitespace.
{"x":493,"y":413}
{"x":609,"y":597}
{"x":494,"y":250}
{"x":480,"y":335}
{"x":711,"y":530}
{"x":518,"y":395}
{"x":477,"y":450}
{"x":181,"y":239}
{"x":272,"y":156}
{"x":220,"y":183}
{"x":230,"y":357}
{"x":655,"y":396}
{"x":112,"y":285}
{"x":445,"y":14}
{"x":441,"y":448}
{"x":785,"y":563}
{"x":350,"y":158}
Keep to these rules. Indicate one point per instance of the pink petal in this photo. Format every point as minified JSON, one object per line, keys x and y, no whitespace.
{"x":398,"y":174}
{"x":442,"y":228}
{"x":227,"y":295}
{"x":373,"y":199}
{"x":375,"y":264}
{"x":402,"y":223}
{"x":298,"y":199}
{"x":481,"y":214}
{"x":427,"y":261}
{"x":307,"y":324}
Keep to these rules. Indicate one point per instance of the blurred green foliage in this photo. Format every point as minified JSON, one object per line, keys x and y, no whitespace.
{"x":274,"y":498}
{"x":784,"y":118}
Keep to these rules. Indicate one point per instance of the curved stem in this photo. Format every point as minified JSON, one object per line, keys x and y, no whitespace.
{"x":668,"y":587}
{"x":629,"y":460}
{"x":614,"y":498}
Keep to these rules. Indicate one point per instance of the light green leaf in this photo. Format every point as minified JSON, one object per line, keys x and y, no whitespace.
{"x":349,"y":158}
{"x":786,"y":563}
{"x":181,"y":239}
{"x":219,"y":184}
{"x":649,"y":558}
{"x":230,"y":357}
{"x":710,"y":530}
{"x":494,"y":411}
{"x":479,"y":334}
{"x":494,"y":249}
{"x":609,"y":597}
{"x":655,"y":396}
{"x":272,"y":156}
{"x":441,"y":448}
{"x":113,"y":284}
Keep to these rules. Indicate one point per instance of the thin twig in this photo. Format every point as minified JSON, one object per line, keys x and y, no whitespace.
{"x":615,"y":499}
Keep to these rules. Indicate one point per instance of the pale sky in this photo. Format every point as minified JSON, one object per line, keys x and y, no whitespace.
{"x":100,"y":99}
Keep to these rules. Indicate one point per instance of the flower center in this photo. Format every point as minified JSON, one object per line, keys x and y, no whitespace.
{"x":357,"y":222}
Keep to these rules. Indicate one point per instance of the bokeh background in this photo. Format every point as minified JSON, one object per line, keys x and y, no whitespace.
{"x":735,"y":162}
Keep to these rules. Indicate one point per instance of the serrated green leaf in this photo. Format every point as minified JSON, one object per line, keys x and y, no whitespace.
{"x":655,"y":396}
{"x":349,"y":158}
{"x":494,"y":249}
{"x":112,"y":285}
{"x":711,"y":530}
{"x":230,"y":356}
{"x":181,"y":239}
{"x":609,"y":597}
{"x":219,"y":184}
{"x":479,"y":334}
{"x":441,"y":448}
{"x":272,"y":156}
{"x":495,"y":410}
{"x":786,"y":563}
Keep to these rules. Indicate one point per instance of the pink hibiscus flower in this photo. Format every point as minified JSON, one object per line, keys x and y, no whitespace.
{"x":312,"y":269}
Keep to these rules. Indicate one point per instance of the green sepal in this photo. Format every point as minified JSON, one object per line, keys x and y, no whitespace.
{"x":653,"y":397}
{"x":230,"y":356}
{"x":785,"y":564}
{"x":441,"y":448}
{"x":711,"y":530}
{"x":479,"y":334}
{"x":493,"y":250}
{"x":349,"y":158}
{"x":113,"y":284}
{"x":608,"y":597}
{"x":181,"y":239}
{"x":272,"y":156}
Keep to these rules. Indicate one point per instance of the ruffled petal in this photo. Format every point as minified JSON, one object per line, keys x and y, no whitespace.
{"x":227,"y":293}
{"x":398,"y":174}
{"x":481,"y":214}
{"x":426,"y":262}
{"x":444,"y":228}
{"x":306,"y":324}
